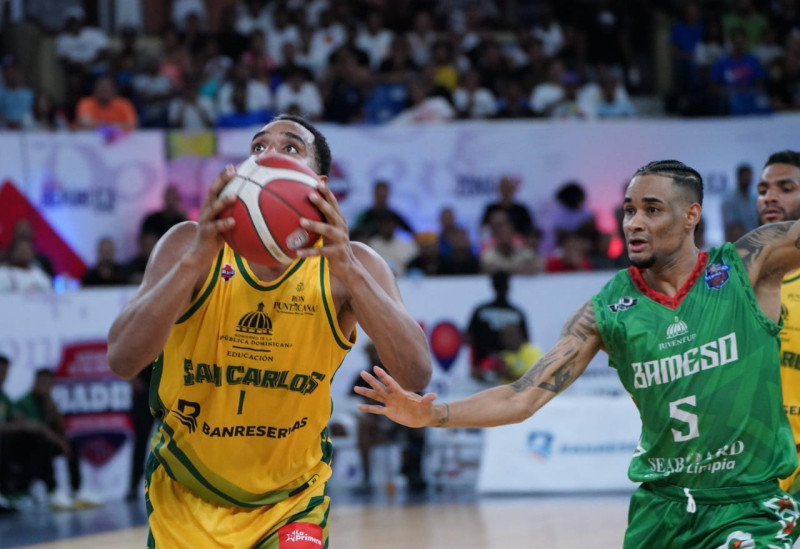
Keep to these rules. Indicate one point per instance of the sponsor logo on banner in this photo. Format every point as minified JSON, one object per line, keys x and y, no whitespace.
{"x":95,"y":402}
{"x":300,"y":535}
{"x":540,"y":444}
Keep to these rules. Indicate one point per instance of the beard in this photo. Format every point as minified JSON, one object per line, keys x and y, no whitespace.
{"x":644,"y":262}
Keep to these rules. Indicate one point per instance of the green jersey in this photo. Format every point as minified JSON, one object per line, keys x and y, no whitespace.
{"x":703,"y":370}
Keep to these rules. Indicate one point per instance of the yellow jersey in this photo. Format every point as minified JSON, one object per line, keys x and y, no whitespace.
{"x":790,"y":359}
{"x":242,"y":387}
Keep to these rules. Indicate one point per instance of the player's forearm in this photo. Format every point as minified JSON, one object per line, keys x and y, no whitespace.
{"x":141,"y":330}
{"x":398,"y":338}
{"x":496,"y":406}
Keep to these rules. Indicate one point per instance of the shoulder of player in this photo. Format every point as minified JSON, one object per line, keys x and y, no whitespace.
{"x":170,"y":248}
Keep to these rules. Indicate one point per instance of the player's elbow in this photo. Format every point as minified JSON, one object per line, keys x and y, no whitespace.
{"x":420,"y":377}
{"x":122,"y":366}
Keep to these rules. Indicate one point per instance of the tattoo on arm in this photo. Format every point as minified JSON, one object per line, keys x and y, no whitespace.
{"x":752,"y":244}
{"x":560,"y":379}
{"x":581,"y":324}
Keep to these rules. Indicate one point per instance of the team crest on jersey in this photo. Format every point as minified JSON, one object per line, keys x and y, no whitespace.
{"x":716,"y":275}
{"x":677,"y":328}
{"x":227,"y":272}
{"x":255,"y":322}
{"x":623,"y":304}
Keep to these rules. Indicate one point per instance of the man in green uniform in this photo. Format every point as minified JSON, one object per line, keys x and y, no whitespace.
{"x":694,"y":338}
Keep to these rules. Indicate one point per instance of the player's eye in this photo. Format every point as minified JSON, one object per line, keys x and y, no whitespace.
{"x":290,"y":149}
{"x":258,"y":147}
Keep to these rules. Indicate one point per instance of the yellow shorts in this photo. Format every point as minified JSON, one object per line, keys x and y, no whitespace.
{"x":180,"y":519}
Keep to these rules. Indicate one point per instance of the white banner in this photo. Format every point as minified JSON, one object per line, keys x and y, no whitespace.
{"x":88,"y":186}
{"x":573,"y":444}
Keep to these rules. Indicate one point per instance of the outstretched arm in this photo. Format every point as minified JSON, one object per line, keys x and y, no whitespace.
{"x":177,"y":267}
{"x":553,"y":373}
{"x":373,"y":298}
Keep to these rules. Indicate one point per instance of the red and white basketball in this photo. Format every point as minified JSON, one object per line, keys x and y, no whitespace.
{"x":272,"y":192}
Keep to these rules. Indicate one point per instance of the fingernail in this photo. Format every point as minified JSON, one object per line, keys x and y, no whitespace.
{"x":304,"y":222}
{"x":230,"y":169}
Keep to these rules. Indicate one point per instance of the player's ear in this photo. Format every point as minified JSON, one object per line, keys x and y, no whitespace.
{"x":693,"y":213}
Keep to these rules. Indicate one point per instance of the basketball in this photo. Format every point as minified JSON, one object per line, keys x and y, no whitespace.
{"x":272,"y":195}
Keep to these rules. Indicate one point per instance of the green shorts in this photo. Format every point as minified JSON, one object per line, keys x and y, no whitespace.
{"x":665,"y":516}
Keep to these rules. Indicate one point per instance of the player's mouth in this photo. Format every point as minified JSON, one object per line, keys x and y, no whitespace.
{"x":636,"y":244}
{"x":772,"y":214}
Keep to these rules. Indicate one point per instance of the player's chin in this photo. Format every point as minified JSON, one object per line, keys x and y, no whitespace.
{"x":641,"y":261}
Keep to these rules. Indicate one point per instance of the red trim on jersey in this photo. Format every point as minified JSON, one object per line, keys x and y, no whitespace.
{"x":637,"y":277}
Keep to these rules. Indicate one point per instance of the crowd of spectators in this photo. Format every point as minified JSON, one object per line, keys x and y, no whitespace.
{"x":368,"y":61}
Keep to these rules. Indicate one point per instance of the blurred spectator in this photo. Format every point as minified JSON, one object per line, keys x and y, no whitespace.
{"x":367,"y":221}
{"x":739,"y":206}
{"x":486,"y":323}
{"x":374,"y":38}
{"x":444,"y":65}
{"x":182,"y":9}
{"x":20,"y":273}
{"x":171,"y":213}
{"x":471,"y":100}
{"x":398,"y":66}
{"x":548,"y":94}
{"x":570,"y":212}
{"x":136,"y":265}
{"x":16,"y":100}
{"x":345,"y":86}
{"x":461,"y":258}
{"x":106,"y":272}
{"x":422,"y":36}
{"x":518,"y":354}
{"x":298,"y":94}
{"x":548,"y":30}
{"x":326,"y":37}
{"x":83,"y":52}
{"x":571,"y":255}
{"x":244,"y":95}
{"x":281,"y":32}
{"x":768,"y":50}
{"x":686,"y":33}
{"x":745,"y":18}
{"x":513,"y":101}
{"x":46,"y":115}
{"x":428,"y":262}
{"x":54,"y":449}
{"x":506,"y":251}
{"x":569,"y":107}
{"x":23,"y":230}
{"x":783,"y":78}
{"x":521,"y":218}
{"x":152,"y":92}
{"x":374,"y":430}
{"x":423,"y":106}
{"x":105,"y":108}
{"x":191,"y":111}
{"x":739,"y":77}
{"x":447,"y":229}
{"x":142,"y":421}
{"x":176,"y":59}
{"x":230,"y":42}
{"x":607,"y":98}
{"x":398,"y":252}
{"x":214,"y":67}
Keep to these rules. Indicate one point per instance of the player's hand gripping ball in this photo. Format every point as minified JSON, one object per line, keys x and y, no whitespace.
{"x":272,"y":192}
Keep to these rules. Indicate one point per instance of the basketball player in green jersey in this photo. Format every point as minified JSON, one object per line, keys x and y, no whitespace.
{"x":779,"y":200}
{"x":693,"y":336}
{"x":243,"y":356}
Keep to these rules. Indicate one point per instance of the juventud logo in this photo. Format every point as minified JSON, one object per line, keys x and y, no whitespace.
{"x":300,"y":536}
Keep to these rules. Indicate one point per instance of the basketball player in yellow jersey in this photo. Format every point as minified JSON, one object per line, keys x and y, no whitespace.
{"x":243,"y":355}
{"x":779,"y":200}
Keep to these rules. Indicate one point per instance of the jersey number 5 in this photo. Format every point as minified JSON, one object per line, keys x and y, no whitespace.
{"x":683,"y":416}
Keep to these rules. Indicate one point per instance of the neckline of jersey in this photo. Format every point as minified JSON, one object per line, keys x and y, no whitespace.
{"x":673,"y":302}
